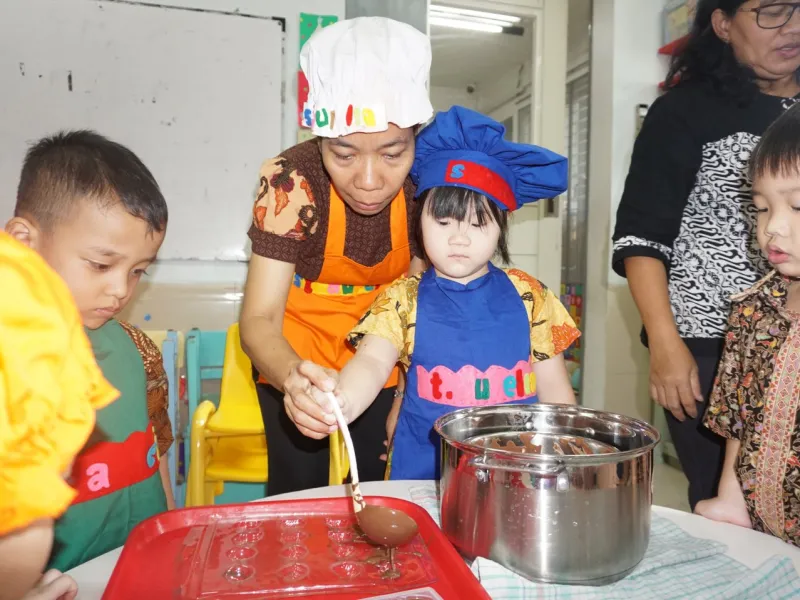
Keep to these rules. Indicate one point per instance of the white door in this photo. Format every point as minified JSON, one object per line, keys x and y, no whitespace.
{"x":533,"y":112}
{"x":517,"y":118}
{"x":526,"y":222}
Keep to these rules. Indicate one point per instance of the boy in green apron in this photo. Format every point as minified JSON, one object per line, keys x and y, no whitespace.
{"x":95,"y":213}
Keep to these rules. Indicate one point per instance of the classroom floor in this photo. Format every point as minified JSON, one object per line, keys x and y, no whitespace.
{"x":671,"y":488}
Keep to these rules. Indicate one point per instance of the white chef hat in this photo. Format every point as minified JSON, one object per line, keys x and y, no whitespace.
{"x":365,"y":73}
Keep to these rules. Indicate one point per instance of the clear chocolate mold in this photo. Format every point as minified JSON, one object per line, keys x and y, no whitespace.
{"x":294,"y":552}
{"x":339,"y":522}
{"x":292,"y":537}
{"x":294,"y":572}
{"x":238,"y":573}
{"x":343,"y":550}
{"x":243,"y":553}
{"x":348,"y":570}
{"x":249,"y":537}
{"x":292,"y":523}
{"x":245,"y":526}
{"x":343,"y":537}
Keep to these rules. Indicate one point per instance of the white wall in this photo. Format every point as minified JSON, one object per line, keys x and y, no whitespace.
{"x":191,"y":92}
{"x":413,"y":12}
{"x":191,"y":272}
{"x":494,"y":93}
{"x":550,"y":112}
{"x":626,"y":70}
{"x":578,"y":33}
{"x":498,"y":90}
{"x":443,"y":97}
{"x":275,"y":8}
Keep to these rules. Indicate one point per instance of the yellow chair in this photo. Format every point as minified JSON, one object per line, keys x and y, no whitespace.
{"x":229,"y":444}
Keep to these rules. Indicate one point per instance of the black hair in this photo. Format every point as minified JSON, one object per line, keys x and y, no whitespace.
{"x":451,"y":202}
{"x":706,"y":58}
{"x":71,"y":166}
{"x":778,"y":151}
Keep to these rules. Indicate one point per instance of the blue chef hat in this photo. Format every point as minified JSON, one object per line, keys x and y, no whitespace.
{"x":463,"y":148}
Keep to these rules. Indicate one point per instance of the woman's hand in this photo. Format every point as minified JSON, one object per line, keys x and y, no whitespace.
{"x":674,"y":380}
{"x":305,"y":396}
{"x":355,"y":388}
{"x":53,"y":585}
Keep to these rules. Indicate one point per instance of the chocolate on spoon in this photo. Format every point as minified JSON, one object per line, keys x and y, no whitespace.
{"x":382,"y":525}
{"x":386,"y":526}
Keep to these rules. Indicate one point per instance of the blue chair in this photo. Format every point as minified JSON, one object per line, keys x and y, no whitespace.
{"x":171,"y":343}
{"x":205,"y":354}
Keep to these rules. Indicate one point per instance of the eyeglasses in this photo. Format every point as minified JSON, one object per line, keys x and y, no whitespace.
{"x":774,"y":16}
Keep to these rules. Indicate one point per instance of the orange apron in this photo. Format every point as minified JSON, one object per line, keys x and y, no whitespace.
{"x":320,"y":314}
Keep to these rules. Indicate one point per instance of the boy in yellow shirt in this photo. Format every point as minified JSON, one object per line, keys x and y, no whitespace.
{"x":96,"y":215}
{"x":50,"y":387}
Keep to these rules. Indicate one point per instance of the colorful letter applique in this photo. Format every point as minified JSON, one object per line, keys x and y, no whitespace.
{"x":110,"y":466}
{"x":471,"y":387}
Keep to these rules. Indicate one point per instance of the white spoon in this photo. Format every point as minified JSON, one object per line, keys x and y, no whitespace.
{"x":383,"y":525}
{"x":358,"y":499}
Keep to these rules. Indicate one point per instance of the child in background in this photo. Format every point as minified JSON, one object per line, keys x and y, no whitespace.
{"x":50,"y":387}
{"x":95,"y":214}
{"x":756,"y":395}
{"x":468,"y":333}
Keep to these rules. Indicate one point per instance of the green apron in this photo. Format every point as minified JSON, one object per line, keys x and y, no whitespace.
{"x":116,"y":475}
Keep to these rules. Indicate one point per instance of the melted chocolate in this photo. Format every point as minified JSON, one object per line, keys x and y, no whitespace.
{"x":527,"y":447}
{"x":561,"y":446}
{"x":386,"y":526}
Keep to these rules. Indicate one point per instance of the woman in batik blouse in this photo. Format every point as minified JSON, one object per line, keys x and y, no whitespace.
{"x":757,"y":391}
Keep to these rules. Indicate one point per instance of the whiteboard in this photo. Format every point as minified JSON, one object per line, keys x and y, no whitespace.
{"x":195,"y":94}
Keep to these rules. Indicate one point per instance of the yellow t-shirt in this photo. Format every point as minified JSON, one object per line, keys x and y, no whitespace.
{"x":393,"y":316}
{"x":50,"y":387}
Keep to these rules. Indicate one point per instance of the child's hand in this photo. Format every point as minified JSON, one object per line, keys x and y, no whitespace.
{"x":391,"y":422}
{"x":53,"y":585}
{"x":385,"y":456}
{"x":350,"y":412}
{"x":726,"y":509}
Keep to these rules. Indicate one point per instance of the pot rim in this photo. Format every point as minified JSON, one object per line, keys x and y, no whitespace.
{"x":544,"y":459}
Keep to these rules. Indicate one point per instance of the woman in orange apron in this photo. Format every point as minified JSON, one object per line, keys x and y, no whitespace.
{"x":331,"y":225}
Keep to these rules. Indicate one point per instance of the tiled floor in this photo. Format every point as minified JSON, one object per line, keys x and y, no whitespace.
{"x":670,"y":488}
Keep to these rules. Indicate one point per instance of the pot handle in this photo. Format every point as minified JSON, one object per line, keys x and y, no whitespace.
{"x":483,"y":462}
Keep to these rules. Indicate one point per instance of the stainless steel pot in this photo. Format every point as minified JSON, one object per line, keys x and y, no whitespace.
{"x":581,"y":519}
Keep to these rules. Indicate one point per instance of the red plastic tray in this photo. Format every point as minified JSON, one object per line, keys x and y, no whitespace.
{"x":282,"y":549}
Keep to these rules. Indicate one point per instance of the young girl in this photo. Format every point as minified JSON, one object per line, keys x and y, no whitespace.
{"x":467,"y":332}
{"x":50,"y":387}
{"x":757,"y":391}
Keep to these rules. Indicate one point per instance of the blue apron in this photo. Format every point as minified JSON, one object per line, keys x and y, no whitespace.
{"x":472,"y":347}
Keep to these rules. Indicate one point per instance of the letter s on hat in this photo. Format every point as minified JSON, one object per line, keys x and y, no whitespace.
{"x":457,"y":171}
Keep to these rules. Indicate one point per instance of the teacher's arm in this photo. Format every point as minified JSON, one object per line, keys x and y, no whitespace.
{"x":261,"y":322}
{"x":666,"y":157}
{"x":261,"y":332}
{"x":284,"y":220}
{"x":674,"y":377}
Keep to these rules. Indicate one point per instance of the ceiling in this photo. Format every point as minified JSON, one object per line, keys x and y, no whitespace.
{"x":462,"y":58}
